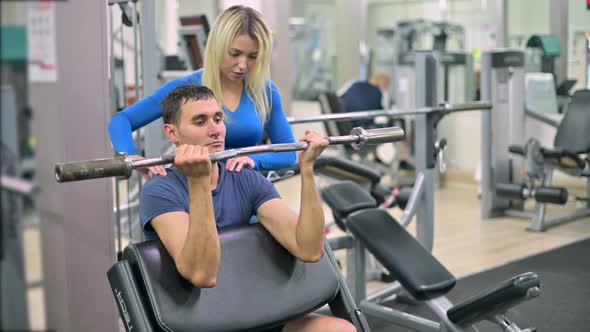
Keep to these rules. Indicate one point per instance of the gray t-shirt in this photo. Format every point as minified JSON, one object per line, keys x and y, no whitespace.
{"x":235,"y":200}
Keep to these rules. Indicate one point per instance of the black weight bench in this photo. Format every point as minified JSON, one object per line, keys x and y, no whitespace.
{"x":260,"y":285}
{"x":418,"y":271}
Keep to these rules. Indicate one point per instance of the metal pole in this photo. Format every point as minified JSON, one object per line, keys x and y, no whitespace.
{"x":155,"y":142}
{"x":426,"y":94}
{"x":136,"y":65}
{"x":486,"y":168}
{"x":112,"y":62}
{"x":13,"y":287}
{"x":472,"y":106}
{"x":114,"y":105}
{"x":140,"y":144}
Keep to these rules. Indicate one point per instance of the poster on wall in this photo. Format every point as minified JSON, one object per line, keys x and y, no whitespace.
{"x":41,"y":41}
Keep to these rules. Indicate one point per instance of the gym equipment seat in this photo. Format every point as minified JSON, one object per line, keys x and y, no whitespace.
{"x":260,"y":285}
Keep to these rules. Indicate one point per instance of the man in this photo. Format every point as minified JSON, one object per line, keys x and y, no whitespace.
{"x":367,"y":96}
{"x":185,"y":208}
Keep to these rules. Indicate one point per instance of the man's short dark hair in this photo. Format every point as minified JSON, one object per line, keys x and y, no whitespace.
{"x":180,"y":95}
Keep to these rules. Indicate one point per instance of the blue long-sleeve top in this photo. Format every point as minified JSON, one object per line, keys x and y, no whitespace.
{"x":243,"y":125}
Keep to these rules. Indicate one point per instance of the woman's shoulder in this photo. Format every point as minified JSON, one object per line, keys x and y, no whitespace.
{"x":195,"y":77}
{"x":271,"y":87}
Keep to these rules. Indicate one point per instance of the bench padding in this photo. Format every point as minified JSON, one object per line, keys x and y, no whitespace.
{"x":346,"y":197}
{"x":280,"y":288}
{"x":572,"y":134}
{"x":496,"y":300}
{"x":404,"y":257}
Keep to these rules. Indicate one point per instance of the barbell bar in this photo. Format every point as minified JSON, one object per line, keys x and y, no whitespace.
{"x":121,"y":166}
{"x":394,"y":113}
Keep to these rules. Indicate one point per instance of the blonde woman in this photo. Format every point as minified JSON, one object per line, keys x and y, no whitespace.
{"x":237,"y":70}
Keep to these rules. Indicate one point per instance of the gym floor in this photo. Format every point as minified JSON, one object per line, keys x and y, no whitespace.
{"x":463,"y":242}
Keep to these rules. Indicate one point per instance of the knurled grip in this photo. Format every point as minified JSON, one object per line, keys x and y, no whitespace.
{"x":92,"y":169}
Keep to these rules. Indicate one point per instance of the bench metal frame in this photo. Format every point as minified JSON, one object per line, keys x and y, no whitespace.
{"x":371,"y":305}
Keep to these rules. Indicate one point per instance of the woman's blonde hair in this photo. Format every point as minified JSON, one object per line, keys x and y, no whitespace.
{"x":231,"y":23}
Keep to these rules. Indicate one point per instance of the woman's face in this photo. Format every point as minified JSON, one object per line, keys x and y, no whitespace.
{"x":240,"y":58}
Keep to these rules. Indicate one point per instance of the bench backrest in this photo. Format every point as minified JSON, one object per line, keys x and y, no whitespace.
{"x":573,"y":133}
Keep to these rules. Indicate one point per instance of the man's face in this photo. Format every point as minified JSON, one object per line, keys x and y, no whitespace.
{"x":200,"y":123}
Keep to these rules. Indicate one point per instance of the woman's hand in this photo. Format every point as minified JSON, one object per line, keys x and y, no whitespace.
{"x":146,"y":171}
{"x":236,"y":164}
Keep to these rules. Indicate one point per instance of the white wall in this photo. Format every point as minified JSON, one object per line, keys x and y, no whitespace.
{"x":579,"y":22}
{"x":579,"y":16}
{"x":525,"y":18}
{"x":13,"y":13}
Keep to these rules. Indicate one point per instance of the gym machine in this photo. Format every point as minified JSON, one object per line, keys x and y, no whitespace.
{"x":395,"y":55}
{"x":426,"y":282}
{"x":156,"y":69}
{"x":429,"y":149}
{"x":128,"y":44}
{"x":501,"y":82}
{"x":147,"y":287}
{"x":542,"y":50}
{"x":456,"y":80}
{"x":454,"y":84}
{"x":13,"y":281}
{"x":506,"y":181}
{"x":309,"y":43}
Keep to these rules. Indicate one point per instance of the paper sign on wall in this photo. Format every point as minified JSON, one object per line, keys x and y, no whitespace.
{"x":41,"y":41}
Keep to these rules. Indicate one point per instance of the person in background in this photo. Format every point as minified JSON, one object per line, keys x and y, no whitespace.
{"x":367,"y":96}
{"x":237,"y":70}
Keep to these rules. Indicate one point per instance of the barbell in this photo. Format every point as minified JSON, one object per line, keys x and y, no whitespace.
{"x":121,"y":166}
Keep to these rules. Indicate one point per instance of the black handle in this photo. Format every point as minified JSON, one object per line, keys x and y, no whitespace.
{"x":517,"y":149}
{"x":510,"y":190}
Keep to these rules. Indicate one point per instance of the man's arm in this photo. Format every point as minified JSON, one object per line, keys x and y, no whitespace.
{"x":191,"y":238}
{"x":302,"y":235}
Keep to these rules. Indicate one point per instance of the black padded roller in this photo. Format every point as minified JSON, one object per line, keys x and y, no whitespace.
{"x":517,"y":149}
{"x":92,"y":169}
{"x":510,"y":190}
{"x":554,"y":195}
